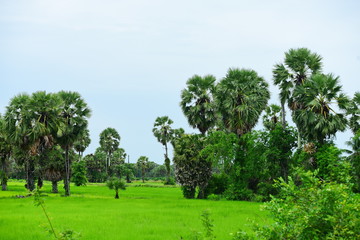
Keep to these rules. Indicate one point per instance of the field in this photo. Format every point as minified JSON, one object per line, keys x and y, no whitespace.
{"x":149,"y":211}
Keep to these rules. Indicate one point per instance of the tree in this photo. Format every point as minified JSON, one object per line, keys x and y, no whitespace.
{"x":191,"y":169}
{"x":272,"y":117}
{"x":197,"y":102}
{"x":74,"y":115}
{"x":143,"y":163}
{"x":82,"y":143}
{"x":240,"y":98}
{"x":164,"y":133}
{"x":79,"y":173}
{"x":32,"y":123}
{"x":354,"y":112}
{"x":5,"y":153}
{"x":299,"y":64}
{"x":321,"y":98}
{"x":109,"y":142}
{"x":116,"y":184}
{"x":54,"y":169}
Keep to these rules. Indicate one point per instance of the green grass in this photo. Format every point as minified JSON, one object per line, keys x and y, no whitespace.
{"x":142,"y":212}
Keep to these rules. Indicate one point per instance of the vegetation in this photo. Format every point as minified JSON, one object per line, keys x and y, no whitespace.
{"x":116,"y":184}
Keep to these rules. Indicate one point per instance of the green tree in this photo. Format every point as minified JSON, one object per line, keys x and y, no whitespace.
{"x":74,"y":115}
{"x":197,"y":102}
{"x":5,"y":153}
{"x":143,"y":163}
{"x":54,"y":169}
{"x":191,"y":169}
{"x":32,"y":123}
{"x":116,"y":184}
{"x":299,"y":64}
{"x":82,"y":143}
{"x":109,"y":142}
{"x":272,"y":117}
{"x":79,"y":173}
{"x":240,"y":98}
{"x":321,"y":98}
{"x":164,"y":134}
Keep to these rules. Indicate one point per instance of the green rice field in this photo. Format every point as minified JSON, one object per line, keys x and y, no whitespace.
{"x":144,"y":211}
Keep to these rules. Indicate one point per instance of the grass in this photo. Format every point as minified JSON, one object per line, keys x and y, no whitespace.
{"x":142,"y":212}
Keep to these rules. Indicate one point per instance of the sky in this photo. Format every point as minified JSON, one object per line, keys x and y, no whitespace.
{"x":130,"y":59}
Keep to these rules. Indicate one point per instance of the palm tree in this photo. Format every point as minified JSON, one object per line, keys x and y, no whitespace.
{"x":116,"y":184}
{"x":143,"y":163}
{"x":109,"y":142}
{"x":299,"y":64}
{"x":240,"y":98}
{"x":272,"y":117}
{"x":74,"y":120}
{"x":321,"y":97}
{"x":164,"y":133}
{"x":197,"y":102}
{"x":31,"y":124}
{"x":82,"y":143}
{"x":354,"y":112}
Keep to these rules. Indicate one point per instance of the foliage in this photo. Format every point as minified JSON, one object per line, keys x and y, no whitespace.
{"x":320,"y":97}
{"x":116,"y":184}
{"x":315,"y":209}
{"x":353,"y":111}
{"x":197,"y":102}
{"x":109,"y":143}
{"x":240,"y":98}
{"x":191,"y":169}
{"x":354,"y":159}
{"x":79,"y":173}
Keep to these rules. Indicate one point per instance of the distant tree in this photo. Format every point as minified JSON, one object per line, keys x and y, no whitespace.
{"x":79,"y":173}
{"x":143,"y":163}
{"x":95,"y":166}
{"x":197,"y":102}
{"x":82,"y":143}
{"x":164,"y":133}
{"x":240,"y":98}
{"x":74,"y":115}
{"x":272,"y":117}
{"x":116,"y":184}
{"x":118,"y":161}
{"x":109,"y":142}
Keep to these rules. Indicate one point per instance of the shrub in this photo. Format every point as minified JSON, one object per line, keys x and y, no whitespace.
{"x":315,"y":209}
{"x":79,"y":173}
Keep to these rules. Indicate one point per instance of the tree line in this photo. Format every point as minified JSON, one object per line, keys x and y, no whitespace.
{"x":231,"y":159}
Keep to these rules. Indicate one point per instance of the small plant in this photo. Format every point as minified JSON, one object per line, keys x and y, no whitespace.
{"x":208,"y":224}
{"x":64,"y":235}
{"x":116,"y":184}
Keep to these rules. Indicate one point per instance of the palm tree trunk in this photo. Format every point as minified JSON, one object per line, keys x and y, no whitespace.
{"x":67,"y":172}
{"x":283,"y":115}
{"x":167,"y":165}
{"x":299,"y":140}
{"x":3,"y":175}
{"x":54,"y":187}
{"x":30,"y":171}
{"x":117,"y":194}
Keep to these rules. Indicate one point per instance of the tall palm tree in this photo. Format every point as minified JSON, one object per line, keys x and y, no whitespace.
{"x":197,"y":102}
{"x":143,"y":163}
{"x":299,"y":64}
{"x":323,"y":111}
{"x":164,"y":133}
{"x":240,"y":98}
{"x":74,"y":120}
{"x":82,"y":143}
{"x":109,"y":142}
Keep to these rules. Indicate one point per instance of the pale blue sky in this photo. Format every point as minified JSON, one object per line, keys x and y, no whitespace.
{"x":131,"y":59}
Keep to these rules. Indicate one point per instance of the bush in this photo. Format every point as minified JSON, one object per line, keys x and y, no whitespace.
{"x":170,"y":182}
{"x":315,"y":209}
{"x":217,"y":184}
{"x":79,"y":173}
